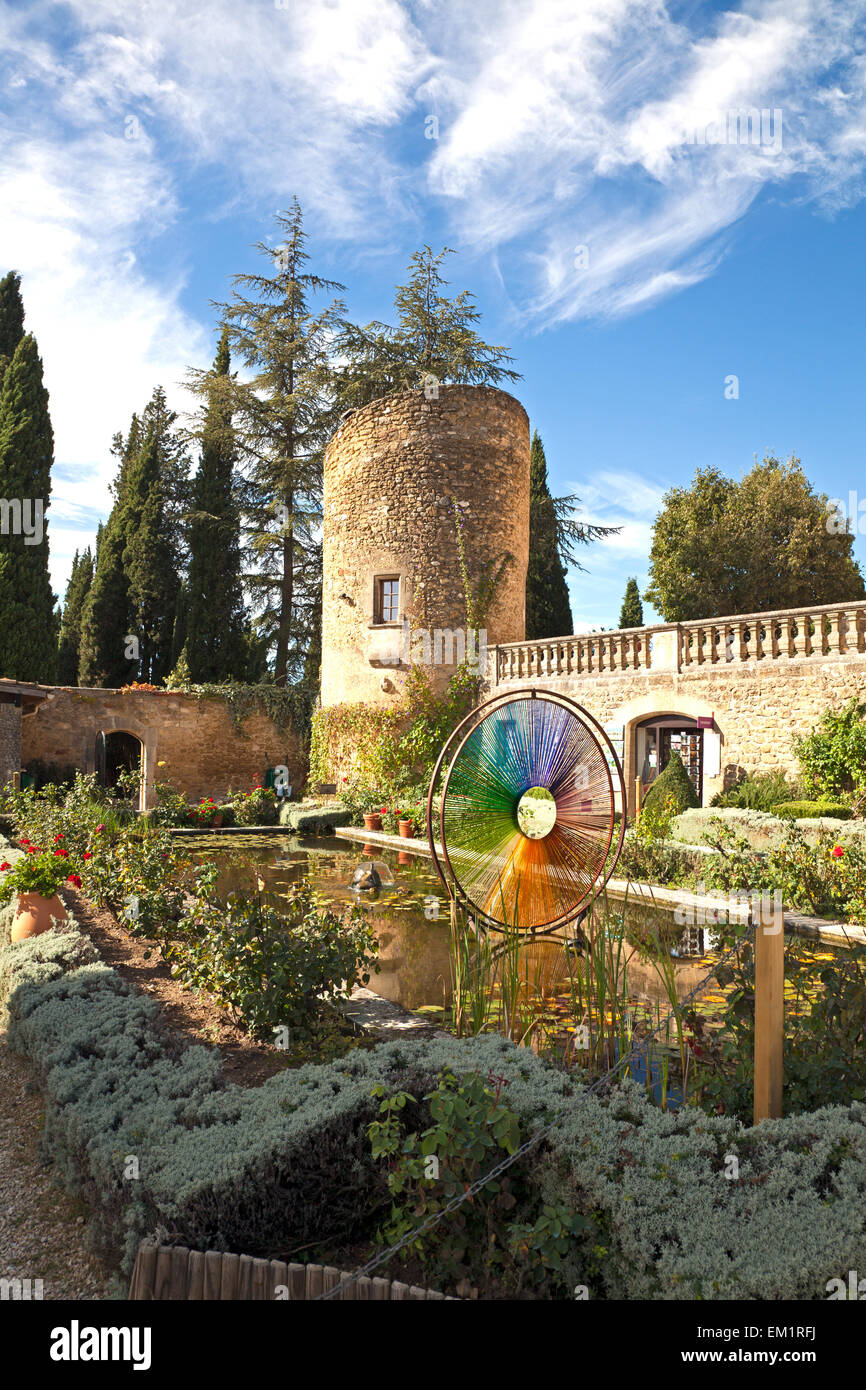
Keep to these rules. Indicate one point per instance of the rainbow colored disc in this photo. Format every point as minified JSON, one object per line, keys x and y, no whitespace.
{"x":537,"y":860}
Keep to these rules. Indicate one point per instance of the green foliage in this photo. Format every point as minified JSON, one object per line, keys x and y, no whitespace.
{"x":669,"y":795}
{"x":283,"y":408}
{"x":106,"y":617}
{"x":824,"y":1061}
{"x":286,"y":1166}
{"x":38,"y":870}
{"x":721,"y":546}
{"x":480,"y":1244}
{"x":631,"y":613}
{"x":149,"y":562}
{"x":272,"y":968}
{"x":434,"y":336}
{"x":757,"y":791}
{"x":28,"y":631}
{"x":824,"y":877}
{"x":287,"y":707}
{"x":11,"y":318}
{"x":811,"y":810}
{"x":213,"y":601}
{"x":833,"y":756}
{"x":77,"y":590}
{"x":171,"y":806}
{"x":548,"y":610}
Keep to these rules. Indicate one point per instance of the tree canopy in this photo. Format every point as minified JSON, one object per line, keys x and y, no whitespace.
{"x":722,"y":546}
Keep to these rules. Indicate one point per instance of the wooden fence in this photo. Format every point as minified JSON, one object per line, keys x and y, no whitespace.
{"x":173,"y":1272}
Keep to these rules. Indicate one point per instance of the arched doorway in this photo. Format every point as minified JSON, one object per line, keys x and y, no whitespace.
{"x":117,"y":752}
{"x":660,"y":735}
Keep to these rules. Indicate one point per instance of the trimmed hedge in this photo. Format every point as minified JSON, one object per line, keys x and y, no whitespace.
{"x":813,"y":810}
{"x":287,"y":1163}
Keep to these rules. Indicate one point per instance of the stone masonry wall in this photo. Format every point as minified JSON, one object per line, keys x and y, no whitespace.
{"x":10,"y":742}
{"x":202,"y":753}
{"x":391,"y":470}
{"x":758,"y":706}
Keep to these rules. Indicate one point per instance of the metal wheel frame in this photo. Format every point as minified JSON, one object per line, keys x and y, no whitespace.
{"x":612,"y":764}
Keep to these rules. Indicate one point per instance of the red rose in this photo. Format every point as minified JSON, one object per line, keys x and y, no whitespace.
{"x":4,"y":866}
{"x":61,"y":854}
{"x":74,"y":879}
{"x":838,"y":851}
{"x":87,"y":855}
{"x":31,"y":849}
{"x":58,"y":837}
{"x":24,"y":840}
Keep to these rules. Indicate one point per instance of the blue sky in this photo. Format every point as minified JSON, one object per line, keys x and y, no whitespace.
{"x":144,"y":146}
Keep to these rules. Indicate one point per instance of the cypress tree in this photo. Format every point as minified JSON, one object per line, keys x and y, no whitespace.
{"x":548,"y":611}
{"x":631,"y":613}
{"x":106,"y":619}
{"x":11,"y":319}
{"x":28,"y":633}
{"x":149,"y":561}
{"x":77,"y":590}
{"x":213,"y":609}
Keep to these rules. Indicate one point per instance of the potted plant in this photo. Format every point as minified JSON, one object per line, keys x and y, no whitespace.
{"x":36,"y":879}
{"x":406,"y":823}
{"x":373,"y":818}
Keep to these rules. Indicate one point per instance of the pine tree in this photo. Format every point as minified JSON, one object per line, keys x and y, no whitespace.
{"x":553,"y":539}
{"x":631,"y":613}
{"x":210,"y":626}
{"x":11,"y":319}
{"x":77,"y":590}
{"x":282,"y":417}
{"x":28,"y":632}
{"x":434,"y":337}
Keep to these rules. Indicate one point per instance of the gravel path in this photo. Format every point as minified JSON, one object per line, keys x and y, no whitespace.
{"x":41,"y":1228}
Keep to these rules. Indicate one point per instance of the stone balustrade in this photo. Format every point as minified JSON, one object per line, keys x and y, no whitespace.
{"x":830,"y":631}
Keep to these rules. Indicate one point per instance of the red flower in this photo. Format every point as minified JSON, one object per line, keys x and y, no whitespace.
{"x":87,"y":854}
{"x":4,"y":866}
{"x":61,"y":854}
{"x":24,"y":840}
{"x":838,"y":851}
{"x":74,"y":879}
{"x":31,"y":849}
{"x":59,"y":837}
{"x":99,"y":829}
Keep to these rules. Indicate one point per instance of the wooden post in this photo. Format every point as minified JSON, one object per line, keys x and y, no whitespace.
{"x":16,"y":781}
{"x":638,"y":792}
{"x":769,"y":1015}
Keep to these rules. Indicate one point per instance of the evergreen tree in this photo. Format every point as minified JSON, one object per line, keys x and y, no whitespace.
{"x":553,"y":538}
{"x":11,"y":319}
{"x":149,"y":561}
{"x":548,"y":611}
{"x":210,"y":626}
{"x":434,"y":336}
{"x":28,"y":633}
{"x":77,"y":590}
{"x":282,"y":417}
{"x":106,"y":619}
{"x":631,"y":613}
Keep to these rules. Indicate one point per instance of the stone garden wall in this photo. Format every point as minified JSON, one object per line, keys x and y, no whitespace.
{"x":188,"y":741}
{"x":10,"y":742}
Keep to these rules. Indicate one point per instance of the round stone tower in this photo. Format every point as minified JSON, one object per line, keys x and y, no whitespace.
{"x":393,"y":587}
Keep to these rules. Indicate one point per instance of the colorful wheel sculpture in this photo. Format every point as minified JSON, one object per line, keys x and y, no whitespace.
{"x":539,"y":860}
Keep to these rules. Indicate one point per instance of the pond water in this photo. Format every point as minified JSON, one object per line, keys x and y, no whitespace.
{"x":409,"y":914}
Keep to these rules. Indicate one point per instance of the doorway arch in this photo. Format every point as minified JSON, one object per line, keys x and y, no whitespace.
{"x":119,"y":751}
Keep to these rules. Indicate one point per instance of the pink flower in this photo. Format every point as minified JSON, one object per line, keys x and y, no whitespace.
{"x":74,"y":879}
{"x":838,"y":851}
{"x":99,"y":829}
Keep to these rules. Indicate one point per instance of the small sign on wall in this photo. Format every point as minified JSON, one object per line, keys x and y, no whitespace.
{"x":706,"y":721}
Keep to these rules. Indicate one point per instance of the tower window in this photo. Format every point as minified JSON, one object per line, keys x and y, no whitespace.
{"x":386,"y":600}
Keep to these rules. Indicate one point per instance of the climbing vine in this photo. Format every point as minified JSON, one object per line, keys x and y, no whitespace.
{"x":288,"y":707}
{"x":478,"y":598}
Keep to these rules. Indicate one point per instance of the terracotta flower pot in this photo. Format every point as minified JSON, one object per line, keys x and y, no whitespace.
{"x":34,"y":915}
{"x":406,"y":828}
{"x":217,"y":820}
{"x":372,"y":820}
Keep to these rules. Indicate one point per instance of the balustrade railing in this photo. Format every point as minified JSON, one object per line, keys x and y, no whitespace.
{"x":829,"y":631}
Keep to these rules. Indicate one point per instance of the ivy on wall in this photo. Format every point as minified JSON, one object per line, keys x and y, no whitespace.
{"x":288,"y":707}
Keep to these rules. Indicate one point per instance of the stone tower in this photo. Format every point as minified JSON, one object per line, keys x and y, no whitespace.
{"x":392,"y":576}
